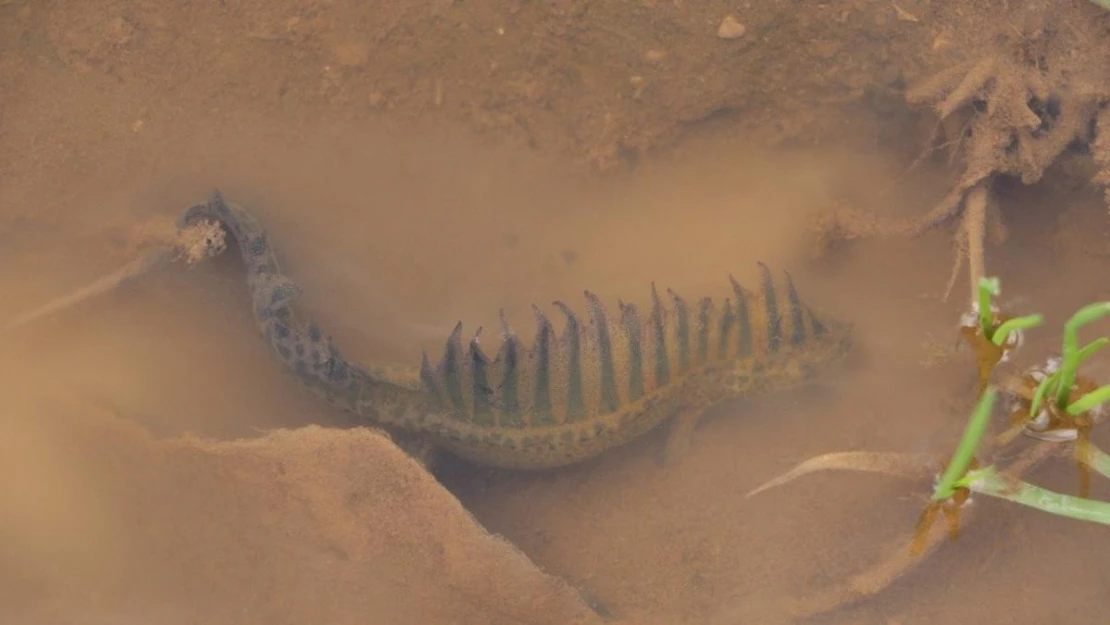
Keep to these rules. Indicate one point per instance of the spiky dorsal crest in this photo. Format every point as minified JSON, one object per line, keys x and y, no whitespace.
{"x":595,"y":367}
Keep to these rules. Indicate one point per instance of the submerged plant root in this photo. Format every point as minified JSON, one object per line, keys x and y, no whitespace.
{"x":899,"y":560}
{"x":191,"y":244}
{"x":1011,"y":112}
{"x":909,"y":466}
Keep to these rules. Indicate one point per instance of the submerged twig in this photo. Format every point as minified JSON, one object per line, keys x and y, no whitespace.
{"x":191,"y":244}
{"x":975,"y":224}
{"x":111,"y":281}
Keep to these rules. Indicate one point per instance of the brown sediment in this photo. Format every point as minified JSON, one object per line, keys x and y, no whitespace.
{"x":350,"y":123}
{"x":1100,"y":150}
{"x":254,"y":530}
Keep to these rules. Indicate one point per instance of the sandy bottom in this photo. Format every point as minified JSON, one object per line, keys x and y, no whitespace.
{"x":397,"y":233}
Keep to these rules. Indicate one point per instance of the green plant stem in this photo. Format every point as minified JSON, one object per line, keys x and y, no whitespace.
{"x":988,"y":482}
{"x":1042,"y":389}
{"x":987,"y":288}
{"x":1020,"y":323}
{"x":1090,"y":400}
{"x":1090,"y":348}
{"x":1046,"y":384}
{"x":965,"y":451}
{"x":1068,"y":369}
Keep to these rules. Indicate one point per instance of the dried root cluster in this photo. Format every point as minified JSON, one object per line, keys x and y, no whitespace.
{"x":1039,"y":91}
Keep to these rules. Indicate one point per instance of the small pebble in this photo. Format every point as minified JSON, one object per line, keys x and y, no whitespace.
{"x":731,"y":28}
{"x":654,"y":55}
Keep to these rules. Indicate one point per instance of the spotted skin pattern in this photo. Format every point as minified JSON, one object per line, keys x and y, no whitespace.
{"x":598,"y":384}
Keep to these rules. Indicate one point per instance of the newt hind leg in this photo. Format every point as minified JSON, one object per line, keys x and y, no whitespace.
{"x":680,"y":434}
{"x":419,"y":448}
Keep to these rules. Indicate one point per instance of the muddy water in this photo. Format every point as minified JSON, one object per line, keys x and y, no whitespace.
{"x":397,"y":233}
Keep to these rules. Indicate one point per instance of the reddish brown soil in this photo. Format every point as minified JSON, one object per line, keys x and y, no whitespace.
{"x":418,"y":164}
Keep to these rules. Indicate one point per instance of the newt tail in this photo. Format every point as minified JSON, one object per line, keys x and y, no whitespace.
{"x":600,"y":383}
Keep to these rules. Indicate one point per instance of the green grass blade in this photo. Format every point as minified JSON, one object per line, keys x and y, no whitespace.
{"x":1046,"y":385}
{"x":1085,"y":315}
{"x":1090,"y":400}
{"x":987,"y":288}
{"x":1020,"y":323}
{"x":1042,"y":389}
{"x":965,"y":451}
{"x":1090,"y":348}
{"x":988,"y":482}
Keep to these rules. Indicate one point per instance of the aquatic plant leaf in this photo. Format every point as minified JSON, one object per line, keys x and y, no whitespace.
{"x":965,"y":451}
{"x":988,"y":482}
